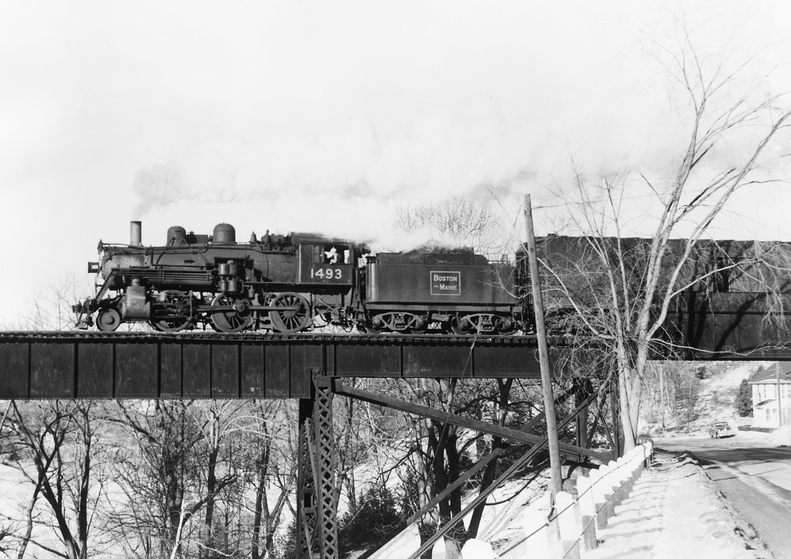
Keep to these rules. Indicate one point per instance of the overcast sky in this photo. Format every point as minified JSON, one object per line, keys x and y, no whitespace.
{"x":322,"y":116}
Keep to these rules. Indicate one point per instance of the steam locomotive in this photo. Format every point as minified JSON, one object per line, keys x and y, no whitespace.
{"x":295,"y":283}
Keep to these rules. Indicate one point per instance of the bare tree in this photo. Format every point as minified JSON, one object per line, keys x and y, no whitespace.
{"x":627,"y":288}
{"x":271,"y":469}
{"x":51,"y":309}
{"x":457,"y":222}
{"x":60,"y":440}
{"x":156,"y":474}
{"x":438,"y":452}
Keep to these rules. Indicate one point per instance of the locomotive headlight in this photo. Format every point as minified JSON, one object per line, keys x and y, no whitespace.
{"x":93,"y":267}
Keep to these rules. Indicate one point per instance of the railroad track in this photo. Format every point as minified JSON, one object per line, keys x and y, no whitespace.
{"x":257,"y":337}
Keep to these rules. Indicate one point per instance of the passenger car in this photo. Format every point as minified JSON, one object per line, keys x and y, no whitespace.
{"x":721,"y":429}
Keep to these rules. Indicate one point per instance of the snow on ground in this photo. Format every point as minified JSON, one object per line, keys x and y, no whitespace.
{"x":716,"y":399}
{"x":779,"y":437}
{"x":676,"y":512}
{"x":501,"y":524}
{"x":15,"y":494}
{"x":15,"y":491}
{"x":734,"y":376}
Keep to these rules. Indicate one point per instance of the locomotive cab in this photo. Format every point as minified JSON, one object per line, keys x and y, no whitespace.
{"x":326,"y":261}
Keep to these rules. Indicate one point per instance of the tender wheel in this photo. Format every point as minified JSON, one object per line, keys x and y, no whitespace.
{"x":419,"y":325}
{"x":295,"y":317}
{"x":401,"y":322}
{"x":505,"y":326}
{"x":234,"y":320}
{"x":455,"y":325}
{"x":480,"y":323}
{"x":108,"y":320}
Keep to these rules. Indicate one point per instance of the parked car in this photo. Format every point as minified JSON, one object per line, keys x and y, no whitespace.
{"x":721,"y":429}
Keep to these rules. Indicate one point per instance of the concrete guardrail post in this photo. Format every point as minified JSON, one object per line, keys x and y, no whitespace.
{"x":610,"y":486}
{"x":534,"y":523}
{"x":587,"y":511}
{"x":624,"y":476}
{"x":634,"y":467}
{"x":477,"y":549}
{"x":600,"y":496}
{"x":569,"y":528}
{"x":639,"y":459}
{"x":617,"y":483}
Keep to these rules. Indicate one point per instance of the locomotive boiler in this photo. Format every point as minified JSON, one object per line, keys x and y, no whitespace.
{"x":294,"y":283}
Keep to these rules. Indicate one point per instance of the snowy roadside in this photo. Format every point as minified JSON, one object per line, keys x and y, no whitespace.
{"x":676,"y":512}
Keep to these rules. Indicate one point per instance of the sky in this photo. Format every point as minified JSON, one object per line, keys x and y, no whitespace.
{"x":328,"y":116}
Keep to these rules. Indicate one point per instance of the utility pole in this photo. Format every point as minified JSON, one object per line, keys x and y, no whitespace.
{"x":543,"y":355}
{"x":779,"y":406}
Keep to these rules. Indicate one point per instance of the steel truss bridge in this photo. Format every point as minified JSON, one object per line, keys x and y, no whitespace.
{"x":313,"y":368}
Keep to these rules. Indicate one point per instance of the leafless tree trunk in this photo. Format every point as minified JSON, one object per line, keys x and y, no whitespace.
{"x":503,"y":401}
{"x":638,"y":299}
{"x":59,"y":439}
{"x":275,"y":471}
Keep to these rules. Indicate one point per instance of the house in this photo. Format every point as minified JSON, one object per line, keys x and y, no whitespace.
{"x":765,"y":386}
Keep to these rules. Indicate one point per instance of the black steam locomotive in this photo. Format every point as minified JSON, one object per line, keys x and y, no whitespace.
{"x":295,"y":283}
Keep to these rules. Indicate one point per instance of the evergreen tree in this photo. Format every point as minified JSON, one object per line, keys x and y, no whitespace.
{"x":744,"y":399}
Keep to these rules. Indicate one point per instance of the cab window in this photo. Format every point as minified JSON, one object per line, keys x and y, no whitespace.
{"x":330,"y":254}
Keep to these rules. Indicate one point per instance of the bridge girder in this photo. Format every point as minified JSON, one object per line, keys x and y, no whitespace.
{"x":95,"y":365}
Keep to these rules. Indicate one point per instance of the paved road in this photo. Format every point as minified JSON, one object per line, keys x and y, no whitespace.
{"x":755,"y":478}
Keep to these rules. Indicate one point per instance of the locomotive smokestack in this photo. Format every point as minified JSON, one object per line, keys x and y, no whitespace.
{"x":135,"y":233}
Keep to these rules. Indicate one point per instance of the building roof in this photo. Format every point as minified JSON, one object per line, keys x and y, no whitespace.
{"x":770,"y":375}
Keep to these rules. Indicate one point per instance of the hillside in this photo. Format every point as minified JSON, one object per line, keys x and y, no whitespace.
{"x":693,"y":395}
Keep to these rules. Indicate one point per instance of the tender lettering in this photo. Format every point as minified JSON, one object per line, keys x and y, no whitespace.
{"x":445,"y":283}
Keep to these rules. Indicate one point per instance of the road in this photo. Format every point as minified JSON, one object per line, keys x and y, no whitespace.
{"x":755,"y":477}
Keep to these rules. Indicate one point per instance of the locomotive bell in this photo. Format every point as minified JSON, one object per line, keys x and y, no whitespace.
{"x":224,"y":233}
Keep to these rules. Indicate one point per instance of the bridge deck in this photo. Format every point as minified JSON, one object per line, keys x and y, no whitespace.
{"x":214,"y":365}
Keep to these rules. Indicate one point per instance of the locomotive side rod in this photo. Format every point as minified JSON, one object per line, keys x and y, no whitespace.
{"x":226,"y":308}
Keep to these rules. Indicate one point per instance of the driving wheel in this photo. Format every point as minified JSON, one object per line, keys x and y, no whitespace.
{"x":176,"y":321}
{"x":235,"y":319}
{"x":295,"y":315}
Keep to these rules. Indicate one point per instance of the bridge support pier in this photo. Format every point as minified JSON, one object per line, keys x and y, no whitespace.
{"x":317,"y":525}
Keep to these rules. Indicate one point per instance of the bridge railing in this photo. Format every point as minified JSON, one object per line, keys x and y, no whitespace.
{"x":575,"y":523}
